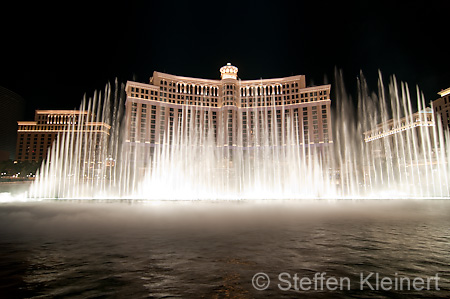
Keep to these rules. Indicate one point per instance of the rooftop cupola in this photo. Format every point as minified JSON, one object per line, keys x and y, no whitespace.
{"x":228,"y":72}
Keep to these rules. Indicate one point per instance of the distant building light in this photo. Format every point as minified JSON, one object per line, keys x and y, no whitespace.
{"x":444,"y":92}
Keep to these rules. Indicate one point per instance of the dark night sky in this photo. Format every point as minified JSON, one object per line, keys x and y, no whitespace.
{"x":52,"y":55}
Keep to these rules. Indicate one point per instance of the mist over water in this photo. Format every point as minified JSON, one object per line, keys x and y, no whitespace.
{"x":213,"y":249}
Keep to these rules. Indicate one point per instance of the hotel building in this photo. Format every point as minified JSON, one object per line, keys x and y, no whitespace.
{"x":441,"y":108}
{"x":241,"y":113}
{"x":35,"y":137}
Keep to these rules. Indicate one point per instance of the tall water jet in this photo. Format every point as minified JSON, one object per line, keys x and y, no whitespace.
{"x":265,"y":149}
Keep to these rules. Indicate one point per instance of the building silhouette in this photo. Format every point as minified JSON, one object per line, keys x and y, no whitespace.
{"x":12,"y":109}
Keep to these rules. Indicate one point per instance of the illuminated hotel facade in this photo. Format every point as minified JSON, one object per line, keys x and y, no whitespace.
{"x":34,"y":138}
{"x":441,"y":108}
{"x":238,"y":111}
{"x":387,"y":137}
{"x":392,"y":127}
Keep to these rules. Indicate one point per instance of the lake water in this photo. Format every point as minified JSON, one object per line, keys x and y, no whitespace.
{"x":79,"y":249}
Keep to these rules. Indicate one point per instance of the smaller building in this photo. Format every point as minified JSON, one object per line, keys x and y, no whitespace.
{"x":35,"y":137}
{"x":441,"y":108}
{"x":392,"y":127}
{"x":403,"y":140}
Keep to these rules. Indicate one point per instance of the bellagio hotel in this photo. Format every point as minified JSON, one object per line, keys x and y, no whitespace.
{"x":235,"y":109}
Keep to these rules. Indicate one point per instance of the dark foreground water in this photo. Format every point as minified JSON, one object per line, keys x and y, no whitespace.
{"x":213,"y":250}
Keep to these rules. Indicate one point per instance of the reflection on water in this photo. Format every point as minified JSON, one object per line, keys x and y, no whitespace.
{"x":212,"y":250}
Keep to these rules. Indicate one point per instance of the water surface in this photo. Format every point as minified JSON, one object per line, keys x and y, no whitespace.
{"x":187,"y":249}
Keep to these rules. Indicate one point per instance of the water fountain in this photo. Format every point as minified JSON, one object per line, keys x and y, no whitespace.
{"x":403,"y":157}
